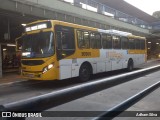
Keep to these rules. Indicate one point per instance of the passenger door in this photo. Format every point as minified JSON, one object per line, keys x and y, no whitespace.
{"x":116,"y":55}
{"x":65,"y":46}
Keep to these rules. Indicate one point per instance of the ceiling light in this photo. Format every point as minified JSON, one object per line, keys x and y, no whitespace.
{"x":11,"y":45}
{"x":23,"y":24}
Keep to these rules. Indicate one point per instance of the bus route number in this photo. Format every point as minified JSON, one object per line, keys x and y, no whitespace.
{"x":86,"y":53}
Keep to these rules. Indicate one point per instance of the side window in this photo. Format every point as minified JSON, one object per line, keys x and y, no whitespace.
{"x":80,"y":39}
{"x":58,"y":37}
{"x":116,"y":42}
{"x":64,"y":40}
{"x":106,"y":41}
{"x":95,"y":39}
{"x":86,"y":39}
{"x":83,"y":39}
{"x":131,"y":44}
{"x":142,"y":44}
{"x":137,"y":42}
{"x":124,"y":42}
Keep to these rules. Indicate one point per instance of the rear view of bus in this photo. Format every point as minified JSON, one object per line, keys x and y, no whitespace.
{"x":38,"y":51}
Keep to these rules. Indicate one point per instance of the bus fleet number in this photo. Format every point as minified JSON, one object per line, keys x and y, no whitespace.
{"x":86,"y":53}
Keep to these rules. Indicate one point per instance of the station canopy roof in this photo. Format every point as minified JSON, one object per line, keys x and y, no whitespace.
{"x":129,"y":9}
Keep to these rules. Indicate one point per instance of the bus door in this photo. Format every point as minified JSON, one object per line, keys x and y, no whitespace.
{"x":107,"y":46}
{"x":65,"y":47}
{"x":116,"y":55}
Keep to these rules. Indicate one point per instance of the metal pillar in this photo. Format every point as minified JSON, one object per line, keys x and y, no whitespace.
{"x":0,"y":62}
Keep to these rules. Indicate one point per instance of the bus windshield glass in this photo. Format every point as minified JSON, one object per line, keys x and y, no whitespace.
{"x":38,"y":45}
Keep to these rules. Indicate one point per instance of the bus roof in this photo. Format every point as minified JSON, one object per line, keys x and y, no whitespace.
{"x":62,"y":23}
{"x":111,"y":31}
{"x":136,"y":37}
{"x":115,"y":32}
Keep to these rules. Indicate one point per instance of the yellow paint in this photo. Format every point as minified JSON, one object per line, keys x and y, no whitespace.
{"x":53,"y":73}
{"x":74,"y":25}
{"x":136,"y":51}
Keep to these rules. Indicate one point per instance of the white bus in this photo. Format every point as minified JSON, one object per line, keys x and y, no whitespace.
{"x":56,"y":50}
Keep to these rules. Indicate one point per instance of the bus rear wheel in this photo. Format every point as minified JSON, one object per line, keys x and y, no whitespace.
{"x":130,"y":65}
{"x":84,"y":72}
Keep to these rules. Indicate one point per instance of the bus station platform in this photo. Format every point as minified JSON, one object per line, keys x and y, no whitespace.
{"x":10,"y":77}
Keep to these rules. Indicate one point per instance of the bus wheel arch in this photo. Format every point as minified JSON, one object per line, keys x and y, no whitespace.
{"x":85,"y":71}
{"x":130,"y":65}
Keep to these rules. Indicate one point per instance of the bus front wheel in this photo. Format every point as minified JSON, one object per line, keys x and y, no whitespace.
{"x":84,"y":73}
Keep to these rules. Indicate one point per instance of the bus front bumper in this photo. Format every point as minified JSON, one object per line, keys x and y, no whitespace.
{"x":49,"y":75}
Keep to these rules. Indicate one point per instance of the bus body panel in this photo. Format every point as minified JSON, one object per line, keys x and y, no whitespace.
{"x":109,"y":60}
{"x":101,"y":60}
{"x":35,"y":72}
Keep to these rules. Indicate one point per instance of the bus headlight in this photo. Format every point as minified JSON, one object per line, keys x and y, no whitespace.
{"x":50,"y":66}
{"x":45,"y":69}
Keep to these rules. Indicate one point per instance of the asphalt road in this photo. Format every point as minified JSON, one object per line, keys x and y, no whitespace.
{"x":100,"y":101}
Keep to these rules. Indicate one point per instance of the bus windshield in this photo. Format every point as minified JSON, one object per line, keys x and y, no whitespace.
{"x":38,"y":45}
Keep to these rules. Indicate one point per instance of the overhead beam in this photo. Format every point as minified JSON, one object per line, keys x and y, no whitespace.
{"x":49,"y":9}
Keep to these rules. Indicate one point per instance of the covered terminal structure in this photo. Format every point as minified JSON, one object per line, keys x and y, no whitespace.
{"x":103,"y":14}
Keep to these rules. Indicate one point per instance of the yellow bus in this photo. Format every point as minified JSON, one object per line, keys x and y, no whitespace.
{"x":56,"y":50}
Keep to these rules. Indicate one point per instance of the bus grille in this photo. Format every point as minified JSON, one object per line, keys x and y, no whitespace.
{"x":32,"y":62}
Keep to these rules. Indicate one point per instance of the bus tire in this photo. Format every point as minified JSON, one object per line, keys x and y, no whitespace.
{"x":85,"y":72}
{"x":130,"y":65}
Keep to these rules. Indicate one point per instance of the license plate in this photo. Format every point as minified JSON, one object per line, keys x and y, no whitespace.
{"x":29,"y":75}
